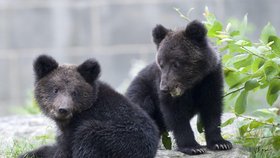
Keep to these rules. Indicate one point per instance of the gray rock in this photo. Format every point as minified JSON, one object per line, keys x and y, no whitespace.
{"x":25,"y":127}
{"x":228,"y":132}
{"x":236,"y":152}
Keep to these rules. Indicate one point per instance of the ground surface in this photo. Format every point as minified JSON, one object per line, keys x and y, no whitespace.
{"x":15,"y":130}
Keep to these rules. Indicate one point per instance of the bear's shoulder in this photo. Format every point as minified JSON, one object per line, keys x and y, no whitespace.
{"x":150,"y":72}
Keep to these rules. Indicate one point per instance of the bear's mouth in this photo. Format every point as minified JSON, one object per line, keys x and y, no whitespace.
{"x":176,"y":92}
{"x":62,"y":117}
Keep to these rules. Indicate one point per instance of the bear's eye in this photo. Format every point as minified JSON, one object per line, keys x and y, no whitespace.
{"x":74,"y":93}
{"x":55,"y":90}
{"x":176,"y":65}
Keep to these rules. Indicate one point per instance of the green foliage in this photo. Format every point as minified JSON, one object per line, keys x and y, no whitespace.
{"x":30,"y":107}
{"x":20,"y":146}
{"x":241,"y":102}
{"x":261,"y":153}
{"x":249,"y":67}
{"x":166,"y":141}
{"x":199,"y":125}
{"x":273,"y":91}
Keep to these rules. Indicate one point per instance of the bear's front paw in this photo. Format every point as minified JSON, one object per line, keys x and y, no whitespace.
{"x":197,"y":150}
{"x":219,"y":145}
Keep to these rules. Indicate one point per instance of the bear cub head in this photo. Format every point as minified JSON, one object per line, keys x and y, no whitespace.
{"x":65,"y":90}
{"x":184,"y":57}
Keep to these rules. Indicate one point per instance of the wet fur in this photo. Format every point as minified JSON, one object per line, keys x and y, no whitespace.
{"x":103,"y":124}
{"x":199,"y":75}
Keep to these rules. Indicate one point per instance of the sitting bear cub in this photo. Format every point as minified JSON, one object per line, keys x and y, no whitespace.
{"x":94,"y":121}
{"x":186,"y":79}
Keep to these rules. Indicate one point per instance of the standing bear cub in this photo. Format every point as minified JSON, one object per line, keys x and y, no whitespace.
{"x":93,"y":120}
{"x":186,"y":79}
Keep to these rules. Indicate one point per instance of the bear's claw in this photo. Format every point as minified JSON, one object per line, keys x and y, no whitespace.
{"x":193,"y":150}
{"x":220,"y":145}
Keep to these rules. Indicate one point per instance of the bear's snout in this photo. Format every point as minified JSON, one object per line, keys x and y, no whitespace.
{"x":163,"y":87}
{"x":63,"y":106}
{"x":171,"y":86}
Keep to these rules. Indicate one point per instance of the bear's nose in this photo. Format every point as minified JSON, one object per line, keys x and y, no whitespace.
{"x":63,"y":111}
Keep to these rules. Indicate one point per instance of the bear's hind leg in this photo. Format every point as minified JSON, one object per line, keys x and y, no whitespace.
{"x":42,"y":152}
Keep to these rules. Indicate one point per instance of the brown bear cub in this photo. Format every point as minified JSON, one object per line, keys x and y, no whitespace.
{"x":94,"y":121}
{"x":186,"y":79}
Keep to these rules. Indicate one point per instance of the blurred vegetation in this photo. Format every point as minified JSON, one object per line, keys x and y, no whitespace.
{"x":20,"y":145}
{"x":250,"y":68}
{"x":30,"y":106}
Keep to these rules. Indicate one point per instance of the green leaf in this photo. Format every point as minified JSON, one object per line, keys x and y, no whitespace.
{"x":227,"y":57}
{"x":166,"y":141}
{"x":242,"y":43}
{"x":212,"y":31}
{"x":267,"y":31}
{"x":234,"y":79}
{"x":228,"y":122}
{"x":264,"y":48}
{"x":263,"y":83}
{"x":235,"y":33}
{"x":273,"y":91}
{"x":232,"y":47}
{"x":252,"y":49}
{"x":270,"y":120}
{"x":243,"y":129}
{"x":255,"y":124}
{"x":242,"y":60}
{"x":246,"y":69}
{"x":271,"y":70}
{"x":241,"y":103}
{"x":275,"y":46}
{"x":251,"y":84}
{"x":257,"y":64}
{"x":199,"y":124}
{"x":235,"y":58}
{"x":264,"y":113}
{"x":228,"y":27}
{"x":276,"y":142}
{"x":250,"y":142}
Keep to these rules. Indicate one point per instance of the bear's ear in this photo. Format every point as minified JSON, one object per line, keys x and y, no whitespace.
{"x":43,"y":65}
{"x":196,"y":31}
{"x":159,"y":33}
{"x":90,"y":70}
